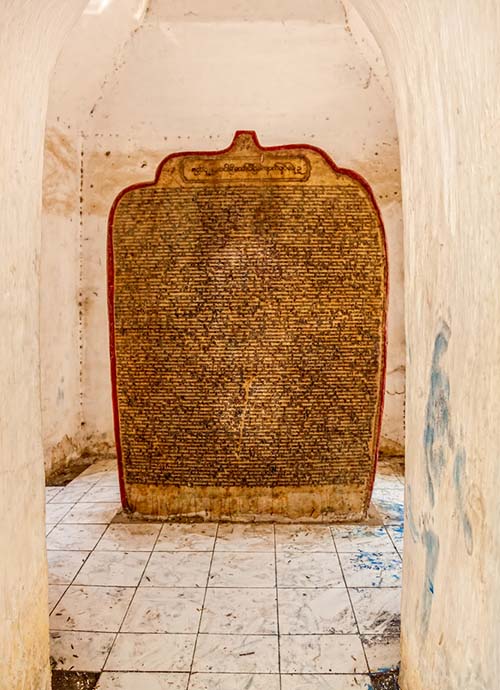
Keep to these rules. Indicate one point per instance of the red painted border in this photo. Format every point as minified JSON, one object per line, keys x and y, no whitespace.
{"x":110,"y":271}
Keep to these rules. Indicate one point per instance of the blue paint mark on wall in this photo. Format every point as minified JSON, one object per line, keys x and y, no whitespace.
{"x":458,"y":469}
{"x":415,"y":535}
{"x":431,"y":544}
{"x":458,"y":477}
{"x":437,"y":433}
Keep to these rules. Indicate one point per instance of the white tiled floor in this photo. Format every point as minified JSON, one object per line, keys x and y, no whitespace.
{"x":221,"y":607}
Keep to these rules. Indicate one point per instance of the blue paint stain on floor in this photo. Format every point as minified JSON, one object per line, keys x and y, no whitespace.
{"x":394,"y":507}
{"x":380,"y":566}
{"x":399,"y":529}
{"x":393,"y":511}
{"x":368,"y":560}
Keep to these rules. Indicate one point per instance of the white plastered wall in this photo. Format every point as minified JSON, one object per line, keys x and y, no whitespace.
{"x":30,"y":34}
{"x":444,"y":60}
{"x":176,"y":78}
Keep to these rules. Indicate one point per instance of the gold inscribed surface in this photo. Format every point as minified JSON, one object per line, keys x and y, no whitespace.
{"x":248,"y":294}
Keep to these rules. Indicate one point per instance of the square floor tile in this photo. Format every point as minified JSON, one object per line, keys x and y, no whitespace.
{"x":236,"y":654}
{"x":64,"y":565}
{"x":242,"y":570}
{"x":382,"y":651}
{"x":377,"y":610}
{"x":390,"y":507}
{"x":240,"y":611}
{"x":132,"y":537}
{"x":234,"y":681}
{"x":102,"y":466}
{"x":315,"y":611}
{"x":51,"y":492}
{"x":92,"y":513}
{"x":359,"y":538}
{"x":315,"y":681}
{"x":322,"y":654}
{"x":180,"y":569}
{"x":142,"y":681}
{"x":385,"y":482}
{"x":199,"y":536}
{"x":368,"y":569}
{"x":113,"y":568}
{"x":71,"y":493}
{"x":100,"y":609}
{"x":392,"y":497}
{"x":55,"y":593}
{"x":79,"y":651}
{"x":298,"y":569}
{"x":244,"y":537}
{"x":48,"y":529}
{"x":391,"y":490}
{"x":83,"y":482}
{"x":54,"y":512}
{"x":74,"y":537}
{"x":164,"y":610}
{"x":146,"y":652}
{"x":101,"y":494}
{"x":396,"y":533}
{"x":109,"y":479}
{"x":304,"y":538}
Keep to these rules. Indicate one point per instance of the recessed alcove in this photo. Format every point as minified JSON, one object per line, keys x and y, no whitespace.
{"x":170,"y":80}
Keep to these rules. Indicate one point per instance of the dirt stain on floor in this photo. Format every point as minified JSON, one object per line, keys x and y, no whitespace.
{"x":385,"y":681}
{"x":74,"y":680}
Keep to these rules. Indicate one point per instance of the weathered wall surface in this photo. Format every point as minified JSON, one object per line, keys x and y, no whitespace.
{"x":444,"y":58}
{"x":185,"y":78}
{"x":97,"y":40}
{"x":29,"y":36}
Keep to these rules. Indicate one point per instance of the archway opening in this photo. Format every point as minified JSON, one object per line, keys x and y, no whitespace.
{"x":316,"y":78}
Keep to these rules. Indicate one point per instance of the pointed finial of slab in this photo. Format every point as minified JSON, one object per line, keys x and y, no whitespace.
{"x":244,"y":140}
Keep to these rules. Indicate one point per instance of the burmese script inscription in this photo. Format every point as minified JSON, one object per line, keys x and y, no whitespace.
{"x":247,"y":305}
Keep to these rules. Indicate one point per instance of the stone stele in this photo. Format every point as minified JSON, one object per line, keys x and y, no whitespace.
{"x":247,"y":305}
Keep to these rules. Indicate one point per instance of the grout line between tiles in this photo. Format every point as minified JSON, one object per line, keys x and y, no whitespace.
{"x":48,"y":500}
{"x":218,"y":634}
{"x":206,"y":634}
{"x":203,"y":605}
{"x":277,"y":605}
{"x":258,"y":589}
{"x":400,"y":554}
{"x":81,"y":566}
{"x":66,"y":587}
{"x":240,"y":673}
{"x":350,"y":601}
